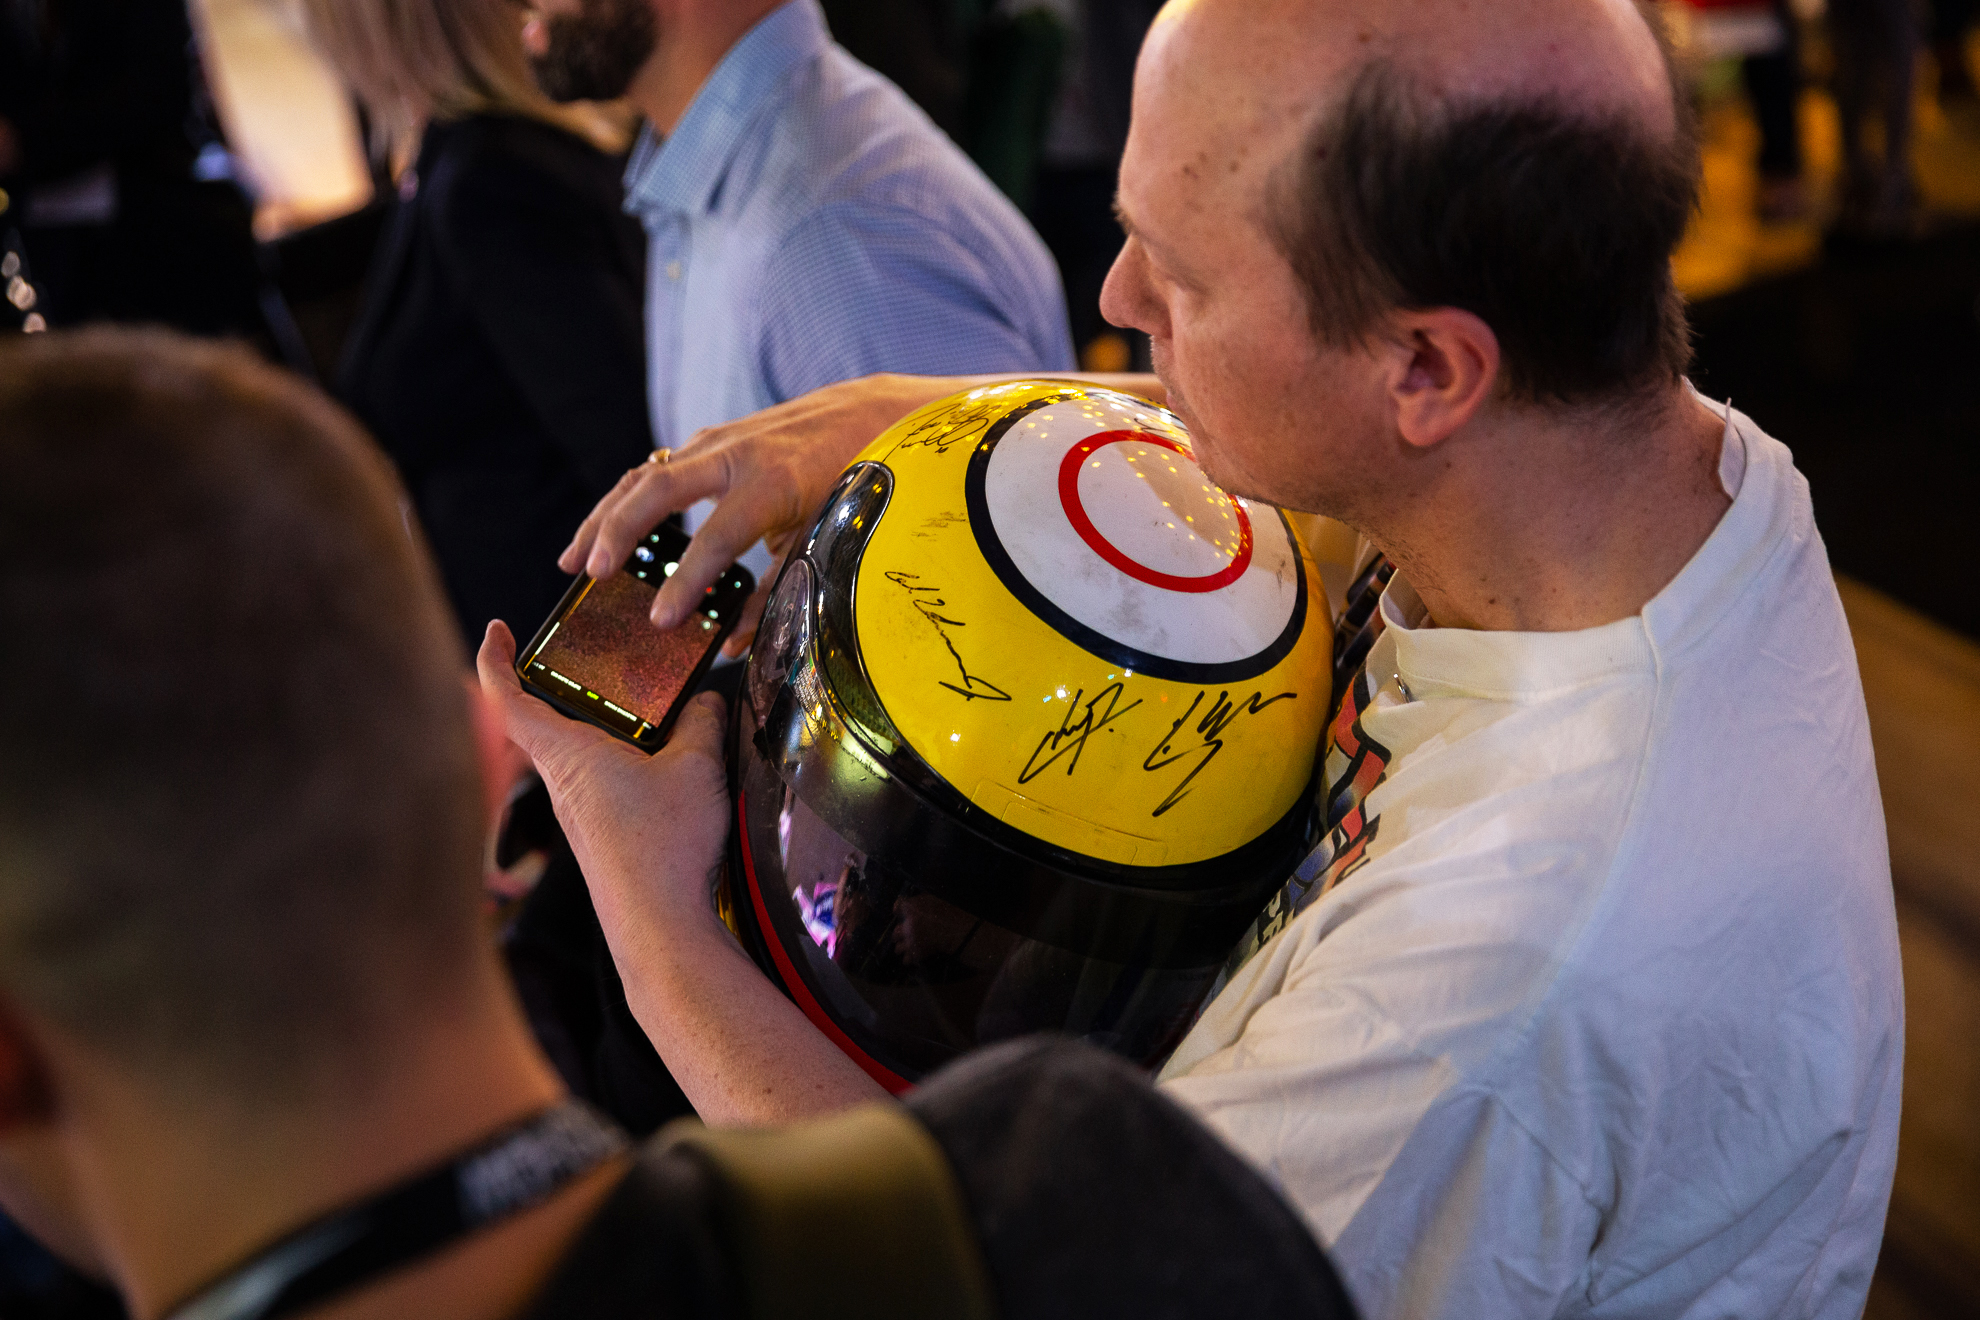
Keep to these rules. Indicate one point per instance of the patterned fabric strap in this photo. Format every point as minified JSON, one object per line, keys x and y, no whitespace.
{"x":1354,"y":765}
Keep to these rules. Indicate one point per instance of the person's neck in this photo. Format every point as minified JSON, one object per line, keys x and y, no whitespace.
{"x":1541,"y":522}
{"x":180,"y":1199}
{"x":691,"y":44}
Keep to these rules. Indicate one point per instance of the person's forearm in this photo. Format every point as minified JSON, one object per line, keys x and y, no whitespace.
{"x":741,"y":1052}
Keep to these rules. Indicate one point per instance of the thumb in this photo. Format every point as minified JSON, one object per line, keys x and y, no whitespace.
{"x":701,"y":728}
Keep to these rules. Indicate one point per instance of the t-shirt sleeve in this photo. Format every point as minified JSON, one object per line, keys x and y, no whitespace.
{"x":1424,"y":1191}
{"x":855,"y":289}
{"x":1318,"y":1087}
{"x":1337,"y":1066}
{"x":1474,"y":1217}
{"x":559,"y":303}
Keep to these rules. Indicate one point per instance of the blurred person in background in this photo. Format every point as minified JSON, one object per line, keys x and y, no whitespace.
{"x":498,"y":356}
{"x":1876,"y":43}
{"x":1036,"y":91}
{"x":1764,"y":37}
{"x":805,"y":222}
{"x":122,"y":186}
{"x":1773,"y":81}
{"x":1951,"y":21}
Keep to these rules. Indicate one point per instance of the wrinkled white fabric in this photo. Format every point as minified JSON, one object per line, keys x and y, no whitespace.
{"x":1609,"y":1023}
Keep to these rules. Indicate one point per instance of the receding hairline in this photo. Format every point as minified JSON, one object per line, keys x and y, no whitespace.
{"x":1292,"y":61}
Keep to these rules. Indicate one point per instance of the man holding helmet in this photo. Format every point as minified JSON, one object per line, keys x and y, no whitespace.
{"x":1591,"y":1002}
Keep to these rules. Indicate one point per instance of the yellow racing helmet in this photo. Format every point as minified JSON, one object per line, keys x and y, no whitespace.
{"x":1027,"y":735}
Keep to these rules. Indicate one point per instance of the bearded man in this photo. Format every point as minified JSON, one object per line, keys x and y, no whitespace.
{"x":805,"y":223}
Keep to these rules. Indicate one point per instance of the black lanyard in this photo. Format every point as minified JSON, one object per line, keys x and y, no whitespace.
{"x":513,"y":1170}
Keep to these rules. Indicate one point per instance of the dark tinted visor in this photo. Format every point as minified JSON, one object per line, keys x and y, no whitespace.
{"x":912,"y":977}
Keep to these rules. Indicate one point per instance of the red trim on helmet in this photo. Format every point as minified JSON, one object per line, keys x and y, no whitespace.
{"x":800,"y":992}
{"x":1069,"y":467}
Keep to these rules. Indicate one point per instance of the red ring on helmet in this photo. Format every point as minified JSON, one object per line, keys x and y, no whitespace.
{"x":1069,"y":468}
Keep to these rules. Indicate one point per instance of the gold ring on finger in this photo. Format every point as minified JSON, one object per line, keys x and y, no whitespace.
{"x":660,"y":457}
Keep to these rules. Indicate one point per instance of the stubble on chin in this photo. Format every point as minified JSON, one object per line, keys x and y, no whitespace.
{"x":594,"y":54}
{"x":1208,"y":452}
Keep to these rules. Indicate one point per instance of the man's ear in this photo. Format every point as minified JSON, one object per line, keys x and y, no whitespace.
{"x":25,"y":1096}
{"x":1444,"y":367}
{"x":37,"y":1182}
{"x":501,"y":761}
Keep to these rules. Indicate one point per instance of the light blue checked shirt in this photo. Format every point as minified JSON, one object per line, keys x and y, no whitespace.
{"x":806,"y":223}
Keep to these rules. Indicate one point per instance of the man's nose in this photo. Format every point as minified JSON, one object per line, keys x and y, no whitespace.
{"x":1126,"y":299}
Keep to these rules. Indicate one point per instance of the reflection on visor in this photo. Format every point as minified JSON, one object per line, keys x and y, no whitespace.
{"x":878,"y":924}
{"x":783,"y":636}
{"x":916,"y":979}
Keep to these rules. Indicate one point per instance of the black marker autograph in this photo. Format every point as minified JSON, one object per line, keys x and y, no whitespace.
{"x":955,"y":426}
{"x":973,"y":687}
{"x":1071,"y":735}
{"x":946,"y":430}
{"x":1211,"y":729}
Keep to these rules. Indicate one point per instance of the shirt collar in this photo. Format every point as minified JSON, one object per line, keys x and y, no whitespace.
{"x":682,"y":172}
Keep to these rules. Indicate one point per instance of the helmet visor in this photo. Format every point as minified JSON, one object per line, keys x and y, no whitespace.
{"x":914,"y":977}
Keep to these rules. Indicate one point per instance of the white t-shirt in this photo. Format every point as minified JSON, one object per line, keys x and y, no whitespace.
{"x":1602,"y":1014}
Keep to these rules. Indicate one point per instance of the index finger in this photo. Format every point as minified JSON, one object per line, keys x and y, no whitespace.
{"x":632,"y":508}
{"x":726,"y":536}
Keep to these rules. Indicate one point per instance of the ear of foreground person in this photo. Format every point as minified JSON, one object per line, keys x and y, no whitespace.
{"x":258,"y":1056}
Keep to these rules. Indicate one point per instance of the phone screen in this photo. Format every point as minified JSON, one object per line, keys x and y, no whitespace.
{"x":598,"y":657}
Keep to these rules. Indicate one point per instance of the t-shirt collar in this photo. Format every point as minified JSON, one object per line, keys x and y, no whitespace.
{"x":682,"y":172}
{"x":1514,"y":663}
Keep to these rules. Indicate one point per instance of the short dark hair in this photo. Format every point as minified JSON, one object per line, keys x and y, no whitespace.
{"x":240,"y":818}
{"x":1553,"y":227}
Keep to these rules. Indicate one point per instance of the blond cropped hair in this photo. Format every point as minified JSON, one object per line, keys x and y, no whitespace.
{"x":413,"y":61}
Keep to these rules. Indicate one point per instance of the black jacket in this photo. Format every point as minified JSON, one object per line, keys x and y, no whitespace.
{"x":1079,"y":1193}
{"x":499,"y":358}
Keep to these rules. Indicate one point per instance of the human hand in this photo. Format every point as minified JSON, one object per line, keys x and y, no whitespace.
{"x":649,"y":832}
{"x":767,"y":472}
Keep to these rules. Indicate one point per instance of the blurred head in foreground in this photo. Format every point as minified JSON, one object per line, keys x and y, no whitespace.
{"x":240,"y":809}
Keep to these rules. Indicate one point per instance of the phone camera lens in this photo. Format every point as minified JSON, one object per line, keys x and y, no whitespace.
{"x":642,"y":554}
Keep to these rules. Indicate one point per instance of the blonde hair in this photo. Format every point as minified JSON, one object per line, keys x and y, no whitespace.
{"x":413,"y":61}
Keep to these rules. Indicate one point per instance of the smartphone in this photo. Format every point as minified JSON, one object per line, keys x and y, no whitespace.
{"x":599,"y":658}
